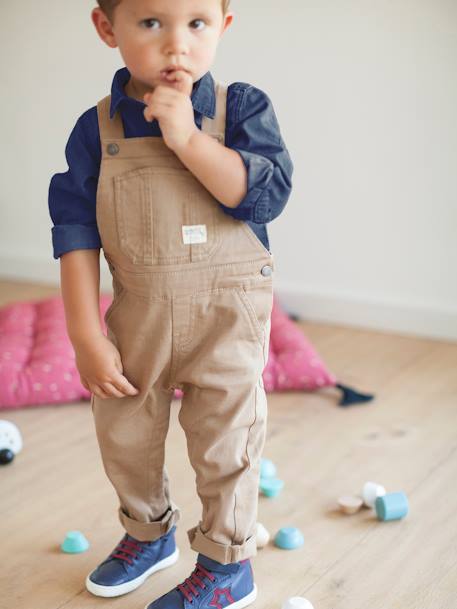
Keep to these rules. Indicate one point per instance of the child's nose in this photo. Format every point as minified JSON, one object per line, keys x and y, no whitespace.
{"x":176,"y":44}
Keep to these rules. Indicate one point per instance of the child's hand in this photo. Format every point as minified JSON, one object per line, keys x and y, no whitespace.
{"x":100,"y":368}
{"x":171,"y":105}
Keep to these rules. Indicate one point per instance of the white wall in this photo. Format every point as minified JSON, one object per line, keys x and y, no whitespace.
{"x":366,"y":95}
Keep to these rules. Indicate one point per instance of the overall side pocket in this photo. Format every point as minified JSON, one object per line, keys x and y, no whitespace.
{"x":257,"y":301}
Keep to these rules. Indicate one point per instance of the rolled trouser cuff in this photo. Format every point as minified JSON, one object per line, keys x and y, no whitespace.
{"x":222,"y":553}
{"x":150,"y":531}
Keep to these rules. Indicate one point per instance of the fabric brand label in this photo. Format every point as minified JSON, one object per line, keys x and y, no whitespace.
{"x":194,"y":234}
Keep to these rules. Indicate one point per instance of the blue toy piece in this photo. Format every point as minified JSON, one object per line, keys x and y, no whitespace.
{"x":289,"y":538}
{"x":267,"y":468}
{"x":74,"y":543}
{"x":271,"y":487}
{"x":392,"y":506}
{"x":351,"y":396}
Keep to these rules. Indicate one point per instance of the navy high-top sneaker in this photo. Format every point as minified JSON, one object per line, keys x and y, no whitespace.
{"x":131,"y":563}
{"x":212,"y":586}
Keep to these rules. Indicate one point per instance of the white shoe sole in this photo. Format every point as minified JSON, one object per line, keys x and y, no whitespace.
{"x":247,"y":600}
{"x":110,"y":591}
{"x":244,"y":602}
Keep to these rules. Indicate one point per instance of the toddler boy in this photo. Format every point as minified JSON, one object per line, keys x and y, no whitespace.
{"x":175,"y":176}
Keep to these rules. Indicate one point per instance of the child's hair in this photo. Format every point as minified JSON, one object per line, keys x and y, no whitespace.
{"x":108,"y":6}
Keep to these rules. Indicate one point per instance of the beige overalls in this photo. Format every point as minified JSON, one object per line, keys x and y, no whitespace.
{"x":191,"y":310}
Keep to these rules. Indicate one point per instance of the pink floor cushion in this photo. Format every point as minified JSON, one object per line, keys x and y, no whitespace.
{"x":37,"y":361}
{"x":293,"y":362}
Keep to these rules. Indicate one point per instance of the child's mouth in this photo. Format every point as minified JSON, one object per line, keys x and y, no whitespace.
{"x":170,"y":71}
{"x":167,"y":75}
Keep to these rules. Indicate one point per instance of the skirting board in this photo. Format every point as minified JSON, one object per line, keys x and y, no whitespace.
{"x":308,"y":304}
{"x":362,"y":312}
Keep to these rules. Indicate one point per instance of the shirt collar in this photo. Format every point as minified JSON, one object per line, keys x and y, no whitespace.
{"x":203,"y":96}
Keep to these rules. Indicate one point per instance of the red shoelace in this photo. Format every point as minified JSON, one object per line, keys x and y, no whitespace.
{"x":127,"y":547}
{"x":198,"y":572}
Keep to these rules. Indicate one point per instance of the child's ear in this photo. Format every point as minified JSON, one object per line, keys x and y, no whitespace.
{"x":228,"y":18}
{"x":104,"y":27}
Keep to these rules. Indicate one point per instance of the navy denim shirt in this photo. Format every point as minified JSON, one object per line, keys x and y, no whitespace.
{"x":251,"y":129}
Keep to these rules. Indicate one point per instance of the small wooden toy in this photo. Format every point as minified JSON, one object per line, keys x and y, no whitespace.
{"x":350,"y":504}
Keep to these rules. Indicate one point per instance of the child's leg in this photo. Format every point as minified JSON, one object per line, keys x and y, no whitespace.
{"x":223,"y":414}
{"x":131,"y":434}
{"x":225,"y":451}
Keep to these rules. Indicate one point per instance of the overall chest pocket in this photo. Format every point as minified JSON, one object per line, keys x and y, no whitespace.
{"x":164,"y":216}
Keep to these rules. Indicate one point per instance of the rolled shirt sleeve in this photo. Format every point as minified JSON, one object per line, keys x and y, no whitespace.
{"x":72,"y":195}
{"x":255,"y":135}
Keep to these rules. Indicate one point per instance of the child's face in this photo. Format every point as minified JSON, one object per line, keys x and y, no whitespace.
{"x":155,"y":34}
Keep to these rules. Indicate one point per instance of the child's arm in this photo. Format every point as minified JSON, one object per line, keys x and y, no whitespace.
{"x":251,"y":180}
{"x":76,"y":241}
{"x":97,"y":359}
{"x":80,"y":286}
{"x":220,"y":169}
{"x":251,"y":174}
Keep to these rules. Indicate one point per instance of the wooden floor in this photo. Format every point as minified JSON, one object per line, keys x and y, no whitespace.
{"x":406,"y":440}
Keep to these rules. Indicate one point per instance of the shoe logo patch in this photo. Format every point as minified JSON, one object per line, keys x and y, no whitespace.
{"x":221,"y":593}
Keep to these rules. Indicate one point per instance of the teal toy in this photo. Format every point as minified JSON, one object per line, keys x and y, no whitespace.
{"x":392,"y":506}
{"x":289,"y":538}
{"x":74,"y":543}
{"x":267,"y":468}
{"x":271,"y":487}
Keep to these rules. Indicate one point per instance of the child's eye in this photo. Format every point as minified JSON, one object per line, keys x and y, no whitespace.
{"x":198,"y":21}
{"x":149,"y":23}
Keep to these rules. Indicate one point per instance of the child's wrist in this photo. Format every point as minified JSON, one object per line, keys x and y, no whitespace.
{"x":185,"y":147}
{"x":83,"y":339}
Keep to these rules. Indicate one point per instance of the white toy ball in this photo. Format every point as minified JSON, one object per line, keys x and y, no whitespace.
{"x":371,"y":491}
{"x":297,"y":602}
{"x":262,"y":536}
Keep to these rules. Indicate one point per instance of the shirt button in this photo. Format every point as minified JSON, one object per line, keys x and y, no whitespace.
{"x":266,"y":270}
{"x":112,"y":149}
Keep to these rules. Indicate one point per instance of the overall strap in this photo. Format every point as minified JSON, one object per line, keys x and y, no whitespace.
{"x":110,"y":128}
{"x":215,"y":127}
